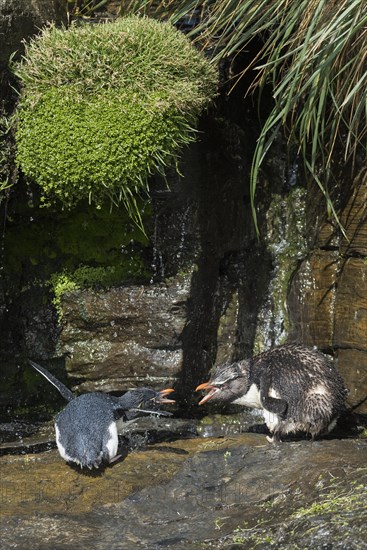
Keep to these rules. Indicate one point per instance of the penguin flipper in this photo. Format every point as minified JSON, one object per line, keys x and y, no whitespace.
{"x":65,"y":392}
{"x":272,"y":404}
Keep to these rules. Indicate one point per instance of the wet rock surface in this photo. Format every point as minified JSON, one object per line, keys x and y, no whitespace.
{"x":192,"y":493}
{"x":328,"y":294}
{"x":138,"y":339}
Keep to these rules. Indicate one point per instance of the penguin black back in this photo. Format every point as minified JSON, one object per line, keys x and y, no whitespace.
{"x":86,"y":431}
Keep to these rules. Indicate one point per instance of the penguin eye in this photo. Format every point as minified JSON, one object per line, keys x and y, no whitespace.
{"x":226,"y":384}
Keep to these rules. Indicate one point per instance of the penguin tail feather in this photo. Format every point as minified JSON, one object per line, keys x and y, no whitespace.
{"x":65,"y":392}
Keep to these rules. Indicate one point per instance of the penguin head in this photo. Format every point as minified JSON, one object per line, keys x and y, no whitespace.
{"x":227,"y":383}
{"x":146,"y":399}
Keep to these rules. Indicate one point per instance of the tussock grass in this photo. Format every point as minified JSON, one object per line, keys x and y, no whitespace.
{"x":314,"y":56}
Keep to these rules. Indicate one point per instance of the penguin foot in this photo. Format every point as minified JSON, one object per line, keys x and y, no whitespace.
{"x":114,"y":459}
{"x":274,"y":439}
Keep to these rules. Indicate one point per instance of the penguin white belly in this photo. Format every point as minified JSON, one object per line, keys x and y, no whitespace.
{"x":274,"y":393}
{"x":271,"y":419}
{"x":62,"y":449}
{"x":112,"y":443}
{"x":332,"y":425}
{"x":250,"y":399}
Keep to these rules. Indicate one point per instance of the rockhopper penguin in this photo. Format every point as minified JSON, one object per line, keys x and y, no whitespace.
{"x":297,"y":388}
{"x":86,"y":431}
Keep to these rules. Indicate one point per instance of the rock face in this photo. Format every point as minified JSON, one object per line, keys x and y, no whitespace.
{"x":208,"y":290}
{"x":328,"y":294}
{"x":178,"y":326}
{"x":19,"y":20}
{"x":177,"y":330}
{"x":125,"y":337}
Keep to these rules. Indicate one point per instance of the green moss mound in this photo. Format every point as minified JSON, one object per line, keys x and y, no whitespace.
{"x":105,"y":106}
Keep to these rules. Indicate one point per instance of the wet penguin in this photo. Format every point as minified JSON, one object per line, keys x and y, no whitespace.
{"x":86,"y":431}
{"x":297,"y":388}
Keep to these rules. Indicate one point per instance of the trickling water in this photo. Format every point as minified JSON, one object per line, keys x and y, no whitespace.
{"x":287,"y":243}
{"x":174,"y":254}
{"x":292,"y":175}
{"x":2,"y":261}
{"x":184,"y":223}
{"x":157,"y":262}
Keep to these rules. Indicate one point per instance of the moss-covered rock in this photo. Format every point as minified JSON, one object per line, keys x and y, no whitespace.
{"x":47,"y":253}
{"x":44,"y":243}
{"x":105,"y":106}
{"x":286,"y":241}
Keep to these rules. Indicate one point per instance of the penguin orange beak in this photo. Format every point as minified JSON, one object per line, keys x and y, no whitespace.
{"x":207,"y":386}
{"x":163,"y":398}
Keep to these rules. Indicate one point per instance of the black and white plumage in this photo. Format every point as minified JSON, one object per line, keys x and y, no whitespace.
{"x":297,"y":388}
{"x":86,"y":431}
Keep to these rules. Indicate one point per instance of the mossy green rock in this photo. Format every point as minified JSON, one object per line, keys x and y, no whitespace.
{"x":47,"y":243}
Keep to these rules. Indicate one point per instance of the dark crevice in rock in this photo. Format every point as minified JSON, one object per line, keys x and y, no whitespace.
{"x":229,"y":260}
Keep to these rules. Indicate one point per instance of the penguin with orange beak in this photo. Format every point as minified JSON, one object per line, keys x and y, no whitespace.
{"x":297,"y":388}
{"x":86,"y":431}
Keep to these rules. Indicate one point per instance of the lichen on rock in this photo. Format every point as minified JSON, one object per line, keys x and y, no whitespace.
{"x":286,"y":240}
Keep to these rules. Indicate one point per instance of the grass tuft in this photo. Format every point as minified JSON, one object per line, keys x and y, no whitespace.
{"x":314,"y":56}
